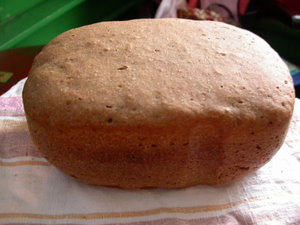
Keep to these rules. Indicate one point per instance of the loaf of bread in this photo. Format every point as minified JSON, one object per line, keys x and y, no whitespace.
{"x":158,"y":103}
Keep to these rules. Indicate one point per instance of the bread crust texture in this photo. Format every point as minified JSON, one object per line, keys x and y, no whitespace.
{"x":158,"y":103}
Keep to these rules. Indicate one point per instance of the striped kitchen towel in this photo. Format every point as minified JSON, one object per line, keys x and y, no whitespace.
{"x":34,"y":192}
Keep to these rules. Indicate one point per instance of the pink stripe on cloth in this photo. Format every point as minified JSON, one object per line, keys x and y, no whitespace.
{"x":239,"y":217}
{"x":11,"y":106}
{"x":259,"y":213}
{"x":222,"y":220}
{"x":17,"y":144}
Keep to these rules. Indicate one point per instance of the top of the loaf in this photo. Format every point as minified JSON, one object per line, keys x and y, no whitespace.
{"x":156,"y":71}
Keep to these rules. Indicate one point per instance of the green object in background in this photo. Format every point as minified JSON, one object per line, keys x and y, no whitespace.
{"x":5,"y":76}
{"x":11,"y":8}
{"x":36,"y":22}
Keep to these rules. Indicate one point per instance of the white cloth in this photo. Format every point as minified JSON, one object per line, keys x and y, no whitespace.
{"x":168,"y":8}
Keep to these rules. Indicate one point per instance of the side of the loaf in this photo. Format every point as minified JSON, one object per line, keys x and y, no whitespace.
{"x":208,"y":151}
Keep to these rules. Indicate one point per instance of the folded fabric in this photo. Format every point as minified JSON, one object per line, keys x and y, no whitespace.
{"x":34,"y":192}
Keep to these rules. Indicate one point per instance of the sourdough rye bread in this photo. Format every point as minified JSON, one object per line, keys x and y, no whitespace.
{"x":158,"y":103}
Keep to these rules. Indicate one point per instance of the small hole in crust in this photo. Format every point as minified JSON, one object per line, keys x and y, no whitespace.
{"x":282,"y":103}
{"x":123,"y":68}
{"x":286,"y":82}
{"x":185,"y":144}
{"x":157,"y":50}
{"x":258,"y":147}
{"x":120,"y":86}
{"x":153,"y":146}
{"x":244,"y":168}
{"x":108,"y":106}
{"x":240,"y":101}
{"x":109,"y":120}
{"x":68,"y":102}
{"x":221,"y":86}
{"x":277,"y":87}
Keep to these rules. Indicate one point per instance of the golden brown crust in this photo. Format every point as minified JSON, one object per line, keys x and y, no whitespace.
{"x":158,"y":103}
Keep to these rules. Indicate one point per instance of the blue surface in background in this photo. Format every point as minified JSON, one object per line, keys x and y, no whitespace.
{"x":296,"y":78}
